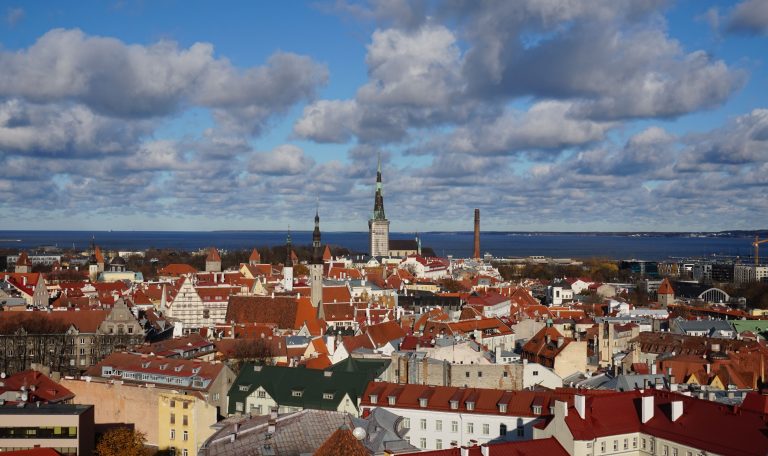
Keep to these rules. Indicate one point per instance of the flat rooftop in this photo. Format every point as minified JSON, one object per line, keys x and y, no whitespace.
{"x":43,"y":409}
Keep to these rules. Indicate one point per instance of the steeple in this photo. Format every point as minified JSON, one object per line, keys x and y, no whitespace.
{"x":378,"y":204}
{"x":289,"y":249}
{"x":317,"y":252}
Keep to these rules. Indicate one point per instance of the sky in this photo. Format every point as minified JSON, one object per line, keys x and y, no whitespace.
{"x":547,"y":115}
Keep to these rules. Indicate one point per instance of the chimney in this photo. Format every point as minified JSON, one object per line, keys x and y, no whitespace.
{"x":580,"y":403}
{"x":464,"y":451}
{"x":484,"y":450}
{"x":677,"y":410}
{"x":646,"y":408}
{"x":560,"y":341}
{"x":653,"y":369}
{"x":476,"y":254}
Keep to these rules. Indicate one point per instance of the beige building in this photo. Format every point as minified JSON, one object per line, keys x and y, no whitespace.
{"x":185,"y":422}
{"x":69,"y":429}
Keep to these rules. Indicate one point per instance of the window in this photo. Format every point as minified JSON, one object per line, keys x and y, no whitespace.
{"x":666,"y":450}
{"x":643,"y":443}
{"x":602,"y":447}
{"x":470,"y":405}
{"x":674,"y":451}
{"x":626,"y":444}
{"x":185,"y":404}
{"x":238,"y":406}
{"x":422,"y":402}
{"x":206,"y":313}
{"x":502,"y":429}
{"x":185,"y":452}
{"x":173,"y":418}
{"x":502,"y":408}
{"x":173,"y":403}
{"x":537,"y":410}
{"x":634,"y":442}
{"x":439,"y":425}
{"x":470,"y":428}
{"x":216,"y":396}
{"x":438,"y":444}
{"x":423,"y":424}
{"x":261,"y":394}
{"x":479,"y":374}
{"x":615,"y":445}
{"x":407,"y":423}
{"x":422,"y":443}
{"x":185,"y":436}
{"x":327,"y":395}
{"x":454,"y":426}
{"x":185,"y":420}
{"x":505,"y":374}
{"x":535,"y":373}
{"x":130,"y":330}
{"x":173,"y":434}
{"x":454,"y":405}
{"x":466,"y":374}
{"x":486,"y":429}
{"x":297,"y":393}
{"x":391,"y":400}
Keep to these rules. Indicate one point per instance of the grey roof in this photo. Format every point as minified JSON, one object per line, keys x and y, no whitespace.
{"x":704,"y":325}
{"x":297,"y":433}
{"x":380,"y":432}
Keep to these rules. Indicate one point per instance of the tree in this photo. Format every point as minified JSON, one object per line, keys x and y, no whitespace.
{"x":122,"y":441}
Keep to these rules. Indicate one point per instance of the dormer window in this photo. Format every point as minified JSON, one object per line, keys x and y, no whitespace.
{"x":163,"y":366}
{"x":297,"y":393}
{"x":195,"y":370}
{"x":454,"y":405}
{"x":374,"y":398}
{"x":470,"y":405}
{"x":423,"y":402}
{"x":145,"y":365}
{"x":178,"y":368}
{"x":391,"y":400}
{"x":502,"y":408}
{"x":537,"y":410}
{"x":328,"y":396}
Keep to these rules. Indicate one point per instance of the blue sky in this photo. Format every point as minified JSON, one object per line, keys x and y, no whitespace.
{"x":573,"y":115}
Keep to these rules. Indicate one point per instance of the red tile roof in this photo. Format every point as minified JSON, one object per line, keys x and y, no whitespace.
{"x":213,"y":255}
{"x":666,"y":288}
{"x":486,"y":401}
{"x":176,"y":270}
{"x":39,"y":387}
{"x":280,"y":310}
{"x":384,"y":332}
{"x":255,"y":257}
{"x":23,"y":260}
{"x":548,"y":447}
{"x":705,"y":425}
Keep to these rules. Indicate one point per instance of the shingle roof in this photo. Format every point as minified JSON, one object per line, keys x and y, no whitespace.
{"x":279,"y":310}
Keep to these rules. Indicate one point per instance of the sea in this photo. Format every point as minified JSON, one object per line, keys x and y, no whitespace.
{"x":459,"y":244}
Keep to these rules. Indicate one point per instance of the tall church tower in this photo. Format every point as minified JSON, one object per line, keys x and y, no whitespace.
{"x":93,"y":262}
{"x":378,"y":226}
{"x":288,"y":268}
{"x":316,"y":269}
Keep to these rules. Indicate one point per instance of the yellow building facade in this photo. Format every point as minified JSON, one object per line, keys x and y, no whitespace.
{"x":184,"y":423}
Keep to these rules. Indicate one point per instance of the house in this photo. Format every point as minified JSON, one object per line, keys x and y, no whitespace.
{"x":657,"y":422}
{"x":705,"y":328}
{"x":434,"y":417}
{"x":259,"y":389}
{"x":564,"y":355}
{"x":185,"y":423}
{"x":209,"y":381}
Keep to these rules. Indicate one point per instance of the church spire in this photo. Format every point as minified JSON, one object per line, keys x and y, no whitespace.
{"x":317,"y":252}
{"x":289,"y":248}
{"x":378,"y":205}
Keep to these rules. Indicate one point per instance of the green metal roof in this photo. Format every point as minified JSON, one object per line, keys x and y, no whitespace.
{"x":281,"y":383}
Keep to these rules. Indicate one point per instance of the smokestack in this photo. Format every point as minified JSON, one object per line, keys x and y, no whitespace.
{"x":477,"y":234}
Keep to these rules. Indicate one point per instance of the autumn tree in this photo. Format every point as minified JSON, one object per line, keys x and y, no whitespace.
{"x":122,"y":441}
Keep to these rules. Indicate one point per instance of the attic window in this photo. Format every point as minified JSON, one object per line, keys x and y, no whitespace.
{"x":391,"y":400}
{"x":178,"y":368}
{"x":374,"y":398}
{"x":422,"y":402}
{"x":502,"y":408}
{"x":470,"y":405}
{"x":145,"y":365}
{"x":163,"y":366}
{"x":297,"y":393}
{"x":328,"y":395}
{"x":244,"y":388}
{"x":537,"y":410}
{"x":454,"y":405}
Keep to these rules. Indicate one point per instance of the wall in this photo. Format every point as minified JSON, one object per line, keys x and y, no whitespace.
{"x":118,"y":403}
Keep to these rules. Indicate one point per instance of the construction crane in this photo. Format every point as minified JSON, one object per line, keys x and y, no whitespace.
{"x":756,"y":245}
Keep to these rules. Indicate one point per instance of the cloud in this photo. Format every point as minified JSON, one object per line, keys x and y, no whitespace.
{"x":749,"y":17}
{"x":14,"y":15}
{"x":286,"y":159}
{"x":134,"y":81}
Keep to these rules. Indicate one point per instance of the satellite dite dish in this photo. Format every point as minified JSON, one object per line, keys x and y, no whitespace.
{"x":24,"y":397}
{"x":359,"y":433}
